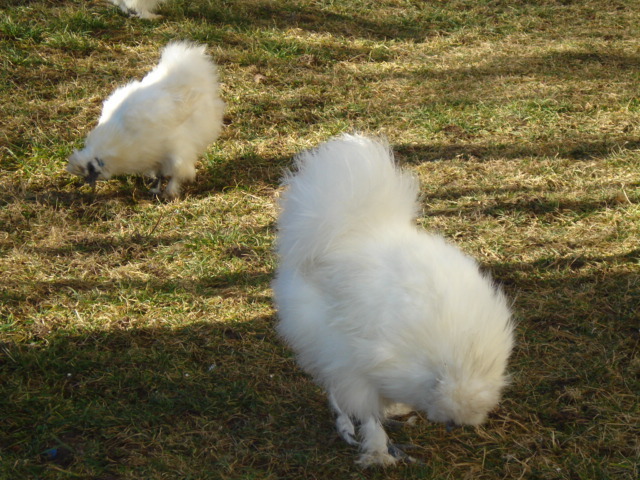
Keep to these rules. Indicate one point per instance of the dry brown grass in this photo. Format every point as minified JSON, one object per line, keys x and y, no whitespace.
{"x":137,"y":336}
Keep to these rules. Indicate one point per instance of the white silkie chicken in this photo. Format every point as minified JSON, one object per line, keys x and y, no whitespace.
{"x":383,"y":315}
{"x":157,"y":126}
{"x":139,"y":8}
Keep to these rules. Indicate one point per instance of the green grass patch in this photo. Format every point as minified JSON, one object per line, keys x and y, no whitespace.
{"x":137,"y":336}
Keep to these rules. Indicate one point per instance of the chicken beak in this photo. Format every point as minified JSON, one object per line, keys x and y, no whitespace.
{"x":92,"y":175}
{"x":450,"y":426}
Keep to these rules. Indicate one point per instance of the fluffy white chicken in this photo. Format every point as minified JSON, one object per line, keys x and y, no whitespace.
{"x":381,"y":314}
{"x":139,"y":8}
{"x":157,"y":126}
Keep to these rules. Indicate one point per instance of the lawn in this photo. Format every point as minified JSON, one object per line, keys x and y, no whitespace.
{"x":137,"y":335}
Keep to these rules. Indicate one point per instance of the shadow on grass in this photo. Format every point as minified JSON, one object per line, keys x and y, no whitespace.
{"x":573,"y":148}
{"x":249,"y":170}
{"x":75,"y":197}
{"x":125,"y":247}
{"x":267,"y":15}
{"x":584,"y":64}
{"x":228,"y":395}
{"x":534,"y":207}
{"x":429,"y":21}
{"x":253,"y":171}
{"x":569,"y":270}
{"x":21,"y":3}
{"x":210,"y":393}
{"x":16,"y":294}
{"x":579,"y":334}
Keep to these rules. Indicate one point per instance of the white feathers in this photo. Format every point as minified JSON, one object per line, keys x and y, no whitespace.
{"x":139,"y":8}
{"x":336,"y":200}
{"x":157,"y":126}
{"x":376,"y":310}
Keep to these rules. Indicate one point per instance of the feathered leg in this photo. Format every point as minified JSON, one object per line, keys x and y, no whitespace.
{"x":129,"y":8}
{"x":376,"y":448}
{"x":147,"y":15}
{"x":180,"y":169}
{"x":375,"y":445}
{"x":344,"y":425}
{"x":156,"y":188}
{"x":172,"y":189}
{"x":398,"y":410}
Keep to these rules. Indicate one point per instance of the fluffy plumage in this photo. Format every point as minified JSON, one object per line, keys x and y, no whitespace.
{"x":157,"y":126}
{"x":139,"y":8}
{"x":381,"y":314}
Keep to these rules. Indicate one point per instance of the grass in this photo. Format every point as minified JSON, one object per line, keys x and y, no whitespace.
{"x":137,"y":336}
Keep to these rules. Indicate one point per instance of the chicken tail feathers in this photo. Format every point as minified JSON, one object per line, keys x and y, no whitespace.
{"x":187,"y":73}
{"x":349,"y":185}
